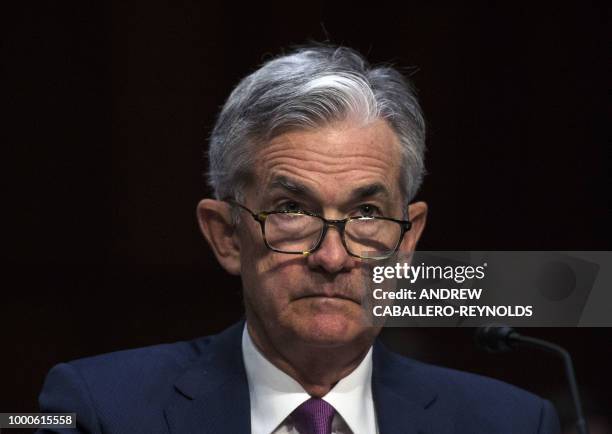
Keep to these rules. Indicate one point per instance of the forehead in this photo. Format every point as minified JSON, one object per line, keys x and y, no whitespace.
{"x":333,"y":160}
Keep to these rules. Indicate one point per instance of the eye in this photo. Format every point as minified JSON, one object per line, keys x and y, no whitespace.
{"x":290,"y":206}
{"x":368,"y":210}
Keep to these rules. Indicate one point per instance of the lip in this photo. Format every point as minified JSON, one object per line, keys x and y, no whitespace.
{"x":330,"y":296}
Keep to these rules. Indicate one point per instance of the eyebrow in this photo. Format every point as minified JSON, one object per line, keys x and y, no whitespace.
{"x":284,"y":183}
{"x":363,"y":192}
{"x":376,"y":189}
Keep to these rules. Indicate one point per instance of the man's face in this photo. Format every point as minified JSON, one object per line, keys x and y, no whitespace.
{"x":340,"y":170}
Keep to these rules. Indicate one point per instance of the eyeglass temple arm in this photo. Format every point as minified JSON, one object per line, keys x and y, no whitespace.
{"x":260,"y":217}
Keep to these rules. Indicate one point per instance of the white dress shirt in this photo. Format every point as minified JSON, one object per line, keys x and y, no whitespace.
{"x":274,"y":395}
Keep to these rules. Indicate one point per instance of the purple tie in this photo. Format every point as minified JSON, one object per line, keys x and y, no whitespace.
{"x":314,"y":417}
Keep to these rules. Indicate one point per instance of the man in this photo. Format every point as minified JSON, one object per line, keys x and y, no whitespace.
{"x":314,"y":161}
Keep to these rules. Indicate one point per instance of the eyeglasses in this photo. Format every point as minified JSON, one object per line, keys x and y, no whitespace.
{"x":302,"y":232}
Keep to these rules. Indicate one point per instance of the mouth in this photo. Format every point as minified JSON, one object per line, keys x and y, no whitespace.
{"x":322,"y":295}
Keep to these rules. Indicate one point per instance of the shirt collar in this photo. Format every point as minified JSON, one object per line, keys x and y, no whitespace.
{"x":274,"y":394}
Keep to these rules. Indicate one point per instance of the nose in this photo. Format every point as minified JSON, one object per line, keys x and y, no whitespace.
{"x":331,"y":255}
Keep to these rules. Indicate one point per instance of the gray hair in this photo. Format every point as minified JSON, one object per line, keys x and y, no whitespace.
{"x":306,"y":89}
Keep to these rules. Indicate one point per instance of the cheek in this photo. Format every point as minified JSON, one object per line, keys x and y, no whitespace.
{"x":279,"y":276}
{"x":270,"y":278}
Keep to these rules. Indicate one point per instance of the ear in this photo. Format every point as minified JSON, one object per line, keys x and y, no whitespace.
{"x":215,"y":219}
{"x":417,"y":214}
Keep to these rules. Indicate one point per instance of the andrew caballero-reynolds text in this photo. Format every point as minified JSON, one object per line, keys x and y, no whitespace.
{"x":441,"y":275}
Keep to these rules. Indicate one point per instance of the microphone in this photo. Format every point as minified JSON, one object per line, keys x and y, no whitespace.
{"x":500,"y":338}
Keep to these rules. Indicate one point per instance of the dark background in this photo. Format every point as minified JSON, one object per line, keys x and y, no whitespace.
{"x":109,"y":108}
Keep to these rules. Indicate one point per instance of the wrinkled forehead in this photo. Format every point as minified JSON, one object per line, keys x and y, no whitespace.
{"x":333,"y":163}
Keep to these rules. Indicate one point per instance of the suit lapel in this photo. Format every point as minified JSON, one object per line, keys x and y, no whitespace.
{"x":404,"y":402}
{"x":212,"y":396}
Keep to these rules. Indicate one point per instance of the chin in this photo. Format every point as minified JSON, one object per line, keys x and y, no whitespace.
{"x":331,"y":329}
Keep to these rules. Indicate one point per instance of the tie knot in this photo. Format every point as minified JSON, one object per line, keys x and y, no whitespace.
{"x":314,"y":416}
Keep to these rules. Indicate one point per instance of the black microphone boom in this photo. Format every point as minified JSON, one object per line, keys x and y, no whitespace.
{"x":498,"y":338}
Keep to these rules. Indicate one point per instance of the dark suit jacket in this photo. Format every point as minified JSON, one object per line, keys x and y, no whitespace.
{"x":201,"y":387}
